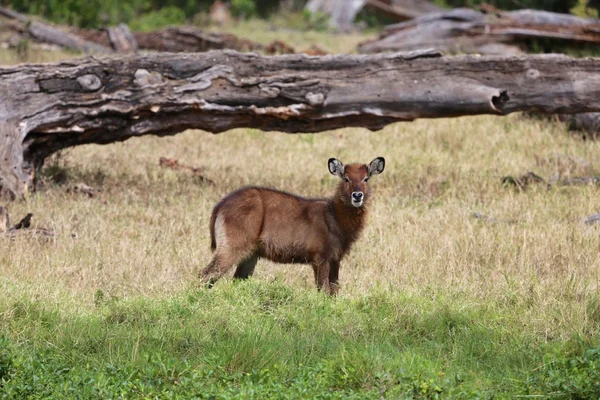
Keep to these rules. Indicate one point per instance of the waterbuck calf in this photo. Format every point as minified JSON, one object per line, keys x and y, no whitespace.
{"x":255,"y":222}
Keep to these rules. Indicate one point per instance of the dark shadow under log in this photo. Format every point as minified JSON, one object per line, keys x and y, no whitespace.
{"x":587,"y":123}
{"x":45,"y":108}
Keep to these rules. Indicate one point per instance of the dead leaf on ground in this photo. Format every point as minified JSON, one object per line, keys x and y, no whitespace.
{"x":172,"y":163}
{"x":315,"y":50}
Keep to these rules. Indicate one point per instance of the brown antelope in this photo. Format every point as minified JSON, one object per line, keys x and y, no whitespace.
{"x":255,"y":222}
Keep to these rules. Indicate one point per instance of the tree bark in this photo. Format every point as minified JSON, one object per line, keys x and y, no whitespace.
{"x":121,"y":39}
{"x":174,"y":39}
{"x":465,"y":30}
{"x":45,"y":108}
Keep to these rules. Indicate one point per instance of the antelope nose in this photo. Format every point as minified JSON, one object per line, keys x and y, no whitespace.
{"x":357,"y":196}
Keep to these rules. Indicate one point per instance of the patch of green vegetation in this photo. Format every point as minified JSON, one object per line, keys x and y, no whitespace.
{"x":316,"y":21}
{"x":159,"y":19}
{"x":563,"y":47}
{"x":585,"y":9}
{"x":569,"y":377}
{"x":267,"y":340}
{"x":243,"y":8}
{"x":144,"y":13}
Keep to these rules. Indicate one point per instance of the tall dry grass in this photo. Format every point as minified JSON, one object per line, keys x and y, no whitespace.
{"x":145,"y":233}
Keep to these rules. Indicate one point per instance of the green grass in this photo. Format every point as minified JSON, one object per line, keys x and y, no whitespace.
{"x":434,"y":303}
{"x":268,"y":340}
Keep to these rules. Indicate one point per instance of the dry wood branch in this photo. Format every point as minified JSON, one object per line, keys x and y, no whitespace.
{"x":45,"y":108}
{"x":592,"y":219}
{"x":4,"y":219}
{"x":121,"y":39}
{"x":46,"y":33}
{"x":175,"y":39}
{"x":472,"y":31}
{"x":531,"y":178}
{"x":22,"y":228}
{"x":523,"y":181}
{"x":82,"y":188}
{"x":344,"y":12}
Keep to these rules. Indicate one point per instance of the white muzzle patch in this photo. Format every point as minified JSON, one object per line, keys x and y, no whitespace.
{"x":358,"y":199}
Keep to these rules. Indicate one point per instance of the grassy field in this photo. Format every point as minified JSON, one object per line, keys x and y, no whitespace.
{"x":434,"y":303}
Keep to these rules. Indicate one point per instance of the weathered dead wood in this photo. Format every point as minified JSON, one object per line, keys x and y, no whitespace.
{"x":344,"y":12}
{"x":176,"y":39}
{"x":46,"y":33}
{"x":4,"y":220}
{"x":190,"y":39}
{"x":592,"y":219}
{"x":187,"y":39}
{"x":523,"y":181}
{"x":45,"y":108}
{"x":121,"y":39}
{"x":22,"y":228}
{"x":82,"y":188}
{"x":531,"y":178}
{"x":470,"y":31}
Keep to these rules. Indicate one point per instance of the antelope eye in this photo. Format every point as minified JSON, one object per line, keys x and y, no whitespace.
{"x":366,"y":179}
{"x":347,"y":179}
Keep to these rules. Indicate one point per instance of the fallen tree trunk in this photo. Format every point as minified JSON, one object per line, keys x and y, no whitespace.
{"x":121,"y":39}
{"x":176,"y":39}
{"x":45,"y":108}
{"x":45,"y":33}
{"x":486,"y":32}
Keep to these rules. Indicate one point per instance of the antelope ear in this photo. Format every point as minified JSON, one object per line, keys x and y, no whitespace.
{"x":376,"y":166}
{"x":336,"y":167}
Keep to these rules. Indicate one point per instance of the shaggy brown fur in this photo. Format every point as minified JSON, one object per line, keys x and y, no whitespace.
{"x":255,"y":222}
